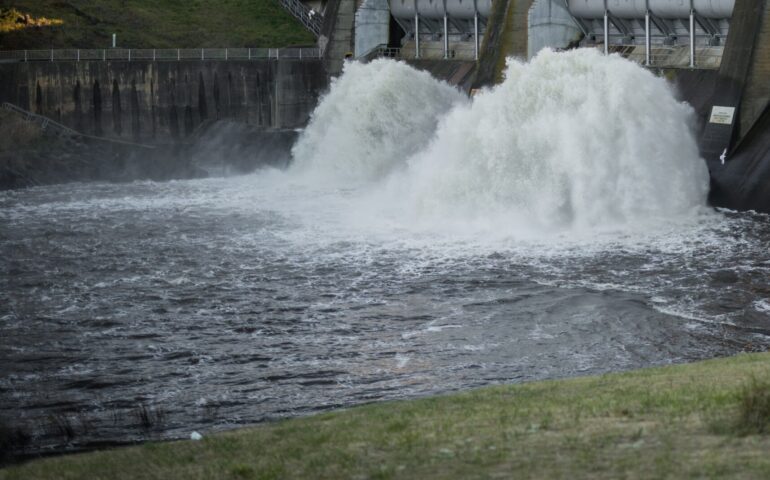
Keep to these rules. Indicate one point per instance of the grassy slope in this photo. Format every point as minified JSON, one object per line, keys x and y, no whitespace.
{"x":673,"y":422}
{"x":156,"y":24}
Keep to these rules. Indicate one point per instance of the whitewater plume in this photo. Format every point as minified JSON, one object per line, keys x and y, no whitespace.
{"x":570,"y":139}
{"x":374,"y":118}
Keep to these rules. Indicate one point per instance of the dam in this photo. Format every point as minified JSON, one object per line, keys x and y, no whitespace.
{"x":444,"y":222}
{"x":722,"y":75}
{"x":435,"y":246}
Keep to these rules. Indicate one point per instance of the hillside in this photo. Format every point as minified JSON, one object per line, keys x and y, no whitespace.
{"x":32,"y":24}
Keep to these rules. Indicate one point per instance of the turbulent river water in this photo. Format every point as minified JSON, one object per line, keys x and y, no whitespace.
{"x":435,"y":245}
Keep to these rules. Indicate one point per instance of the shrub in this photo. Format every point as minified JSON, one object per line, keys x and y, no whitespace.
{"x":754,"y":408}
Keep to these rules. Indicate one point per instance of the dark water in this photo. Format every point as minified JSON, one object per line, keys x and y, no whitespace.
{"x":150,"y":310}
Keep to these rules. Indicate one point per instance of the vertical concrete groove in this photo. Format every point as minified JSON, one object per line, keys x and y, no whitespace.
{"x":164,"y":101}
{"x":757,"y":93}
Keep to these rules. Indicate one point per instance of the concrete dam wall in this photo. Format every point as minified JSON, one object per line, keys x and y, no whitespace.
{"x":163,"y":102}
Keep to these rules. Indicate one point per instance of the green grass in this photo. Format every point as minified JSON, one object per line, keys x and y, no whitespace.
{"x":754,"y":408}
{"x":653,"y":423}
{"x":155,"y":24}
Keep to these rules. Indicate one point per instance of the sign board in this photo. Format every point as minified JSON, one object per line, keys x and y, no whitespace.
{"x":722,"y":115}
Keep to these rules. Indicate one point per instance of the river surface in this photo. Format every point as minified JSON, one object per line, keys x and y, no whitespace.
{"x":420,"y":242}
{"x":150,"y":310}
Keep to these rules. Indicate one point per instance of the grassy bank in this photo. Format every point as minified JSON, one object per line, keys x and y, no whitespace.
{"x":704,"y":420}
{"x":31,"y":24}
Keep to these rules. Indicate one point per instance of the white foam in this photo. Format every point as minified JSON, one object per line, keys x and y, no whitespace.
{"x":373,"y":119}
{"x":402,"y":360}
{"x":570,"y":140}
{"x":762,"y":305}
{"x":571,"y":145}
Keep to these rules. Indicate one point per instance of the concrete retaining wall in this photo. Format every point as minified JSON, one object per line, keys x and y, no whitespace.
{"x":742,"y":182}
{"x":162,"y":102}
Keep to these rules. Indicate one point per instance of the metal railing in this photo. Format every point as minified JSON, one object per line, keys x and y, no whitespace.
{"x":380,"y":51}
{"x":44,"y":122}
{"x":159,"y":54}
{"x":50,"y":125}
{"x":676,"y":56}
{"x":311,"y":19}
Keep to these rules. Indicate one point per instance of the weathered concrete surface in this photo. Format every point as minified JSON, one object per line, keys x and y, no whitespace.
{"x":229,"y":148}
{"x":165,"y":102}
{"x":743,"y":182}
{"x":491,"y":45}
{"x":550,"y":25}
{"x":337,"y":34}
{"x":757,"y":92}
{"x":733,"y":74}
{"x":30,"y":156}
{"x":506,"y":36}
{"x":743,"y":81}
{"x":695,"y":87}
{"x":455,"y":72}
{"x":374,"y":16}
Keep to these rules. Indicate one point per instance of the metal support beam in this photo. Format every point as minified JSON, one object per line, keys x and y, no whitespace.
{"x":622,"y":26}
{"x":692,"y":36}
{"x":446,"y":36}
{"x":416,"y":30}
{"x":663,"y":25}
{"x":416,"y":34}
{"x":708,"y":25}
{"x":606,"y":29}
{"x":475,"y":31}
{"x":647,"y":42}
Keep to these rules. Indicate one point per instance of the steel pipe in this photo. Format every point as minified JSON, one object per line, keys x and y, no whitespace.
{"x":446,"y":37}
{"x":435,"y":9}
{"x":476,"y":36}
{"x":635,"y":9}
{"x":606,"y":31}
{"x":692,"y":36}
{"x":416,"y":35}
{"x":647,"y":40}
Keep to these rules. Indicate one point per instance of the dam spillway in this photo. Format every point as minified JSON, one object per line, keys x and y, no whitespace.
{"x":420,"y":242}
{"x":437,"y":245}
{"x":455,"y":18}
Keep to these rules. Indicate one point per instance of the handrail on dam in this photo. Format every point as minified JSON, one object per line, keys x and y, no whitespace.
{"x":44,"y":122}
{"x":311,"y":19}
{"x":380,"y":51}
{"x":50,"y":124}
{"x":159,"y":54}
{"x":664,"y":56}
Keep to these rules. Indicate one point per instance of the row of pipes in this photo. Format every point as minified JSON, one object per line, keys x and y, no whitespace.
{"x":436,"y":9}
{"x":446,"y":36}
{"x":647,"y":38}
{"x":663,"y":9}
{"x":587,"y":9}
